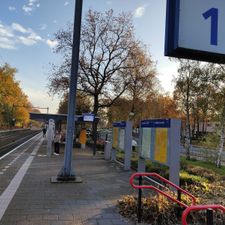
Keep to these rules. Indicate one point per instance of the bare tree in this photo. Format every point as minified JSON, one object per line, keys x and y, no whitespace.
{"x":107,"y":42}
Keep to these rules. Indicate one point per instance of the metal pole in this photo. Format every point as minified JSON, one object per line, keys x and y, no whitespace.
{"x":179,"y":208}
{"x":209,"y":216}
{"x":67,"y":173}
{"x":139,"y":211}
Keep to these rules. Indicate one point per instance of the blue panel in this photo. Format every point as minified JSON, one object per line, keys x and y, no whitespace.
{"x":119,"y":124}
{"x":163,"y":123}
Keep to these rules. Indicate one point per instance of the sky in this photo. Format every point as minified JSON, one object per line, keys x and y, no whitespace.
{"x":27,"y":42}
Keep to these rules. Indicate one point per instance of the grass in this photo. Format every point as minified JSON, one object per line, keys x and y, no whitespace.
{"x":203,"y":179}
{"x":207,"y":165}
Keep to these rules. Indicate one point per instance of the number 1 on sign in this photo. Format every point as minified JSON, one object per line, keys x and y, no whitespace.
{"x":213,"y":13}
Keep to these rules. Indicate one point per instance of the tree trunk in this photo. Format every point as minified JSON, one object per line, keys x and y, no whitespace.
{"x":203,"y":126}
{"x":188,"y":128}
{"x":198,"y":128}
{"x":222,"y":138}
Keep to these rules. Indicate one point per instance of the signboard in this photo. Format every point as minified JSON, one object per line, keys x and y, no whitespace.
{"x":195,"y":30}
{"x":155,"y":140}
{"x":146,"y":143}
{"x":121,"y":138}
{"x":119,"y":134}
{"x":161,"y":145}
{"x":88,"y":117}
{"x":115,"y":137}
{"x":119,"y":124}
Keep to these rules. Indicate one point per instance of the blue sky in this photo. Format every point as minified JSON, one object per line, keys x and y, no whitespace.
{"x":27,"y":30}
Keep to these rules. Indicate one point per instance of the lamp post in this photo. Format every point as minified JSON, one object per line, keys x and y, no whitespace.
{"x":66,"y":173}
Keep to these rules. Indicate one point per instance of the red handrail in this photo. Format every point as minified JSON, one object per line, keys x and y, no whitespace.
{"x":158,"y":190}
{"x":197,"y":208}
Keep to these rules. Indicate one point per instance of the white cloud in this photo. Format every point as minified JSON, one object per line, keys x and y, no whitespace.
{"x":139,"y":12}
{"x":42,"y":26}
{"x":66,"y":3}
{"x":26,"y":41}
{"x":30,"y":6}
{"x":51,"y":43}
{"x":27,"y":9}
{"x":5,"y":32}
{"x":16,"y":34}
{"x":19,"y":28}
{"x":12,"y":8}
{"x":31,"y":39}
{"x":7,"y":43}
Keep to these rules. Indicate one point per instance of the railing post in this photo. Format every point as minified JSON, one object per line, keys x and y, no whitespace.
{"x":179,"y":199}
{"x":209,"y":216}
{"x":139,"y":210}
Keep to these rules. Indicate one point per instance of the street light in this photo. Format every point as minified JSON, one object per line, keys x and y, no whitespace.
{"x":66,"y":173}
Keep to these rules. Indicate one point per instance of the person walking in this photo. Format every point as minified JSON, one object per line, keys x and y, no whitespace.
{"x":44,"y":130}
{"x":57,"y":140}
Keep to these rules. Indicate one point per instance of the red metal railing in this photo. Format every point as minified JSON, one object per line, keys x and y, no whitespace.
{"x":197,"y":208}
{"x":159,"y":191}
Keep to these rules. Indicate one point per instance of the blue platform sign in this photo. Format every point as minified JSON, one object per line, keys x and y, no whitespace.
{"x":195,"y":29}
{"x":87,"y":117}
{"x":121,"y":124}
{"x":163,"y":123}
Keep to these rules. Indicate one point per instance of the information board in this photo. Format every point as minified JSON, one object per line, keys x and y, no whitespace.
{"x":115,"y":137}
{"x":161,"y":145}
{"x":195,"y":30}
{"x":155,"y":140}
{"x":88,"y":117}
{"x":118,"y":134}
{"x":146,"y":143}
{"x":121,"y":138}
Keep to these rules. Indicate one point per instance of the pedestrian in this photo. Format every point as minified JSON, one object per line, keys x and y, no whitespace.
{"x":57,"y":140}
{"x":83,"y":138}
{"x":44,"y":130}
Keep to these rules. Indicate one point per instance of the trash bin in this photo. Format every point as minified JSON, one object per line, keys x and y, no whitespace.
{"x":107,"y":150}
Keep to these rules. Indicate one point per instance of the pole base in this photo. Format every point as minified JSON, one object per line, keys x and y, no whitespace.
{"x":66,"y":179}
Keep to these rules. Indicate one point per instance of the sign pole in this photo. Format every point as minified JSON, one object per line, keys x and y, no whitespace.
{"x":67,"y":173}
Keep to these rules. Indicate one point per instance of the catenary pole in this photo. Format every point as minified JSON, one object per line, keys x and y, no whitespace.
{"x":67,"y":172}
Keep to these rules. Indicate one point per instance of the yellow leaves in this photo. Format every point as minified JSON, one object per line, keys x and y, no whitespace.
{"x":13,"y":102}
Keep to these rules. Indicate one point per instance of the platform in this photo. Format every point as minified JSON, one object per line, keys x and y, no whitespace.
{"x":37,"y":201}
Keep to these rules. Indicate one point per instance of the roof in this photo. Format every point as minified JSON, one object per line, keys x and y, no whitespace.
{"x":58,"y":117}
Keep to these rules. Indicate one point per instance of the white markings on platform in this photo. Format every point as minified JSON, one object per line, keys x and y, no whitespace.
{"x":14,"y":160}
{"x":10,"y":191}
{"x":19,"y":146}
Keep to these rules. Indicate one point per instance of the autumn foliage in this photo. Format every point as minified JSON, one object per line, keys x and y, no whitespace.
{"x":14,"y":104}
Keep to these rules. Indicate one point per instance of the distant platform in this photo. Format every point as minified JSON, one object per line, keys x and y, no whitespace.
{"x":61,"y":117}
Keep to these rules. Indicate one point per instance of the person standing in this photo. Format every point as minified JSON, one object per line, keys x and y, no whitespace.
{"x":83,"y":138}
{"x":57,"y":140}
{"x":44,"y":130}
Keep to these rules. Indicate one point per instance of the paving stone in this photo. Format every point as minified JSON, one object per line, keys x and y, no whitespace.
{"x":92,"y":202}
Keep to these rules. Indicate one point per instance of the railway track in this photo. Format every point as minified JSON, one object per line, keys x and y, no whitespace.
{"x":11,"y":139}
